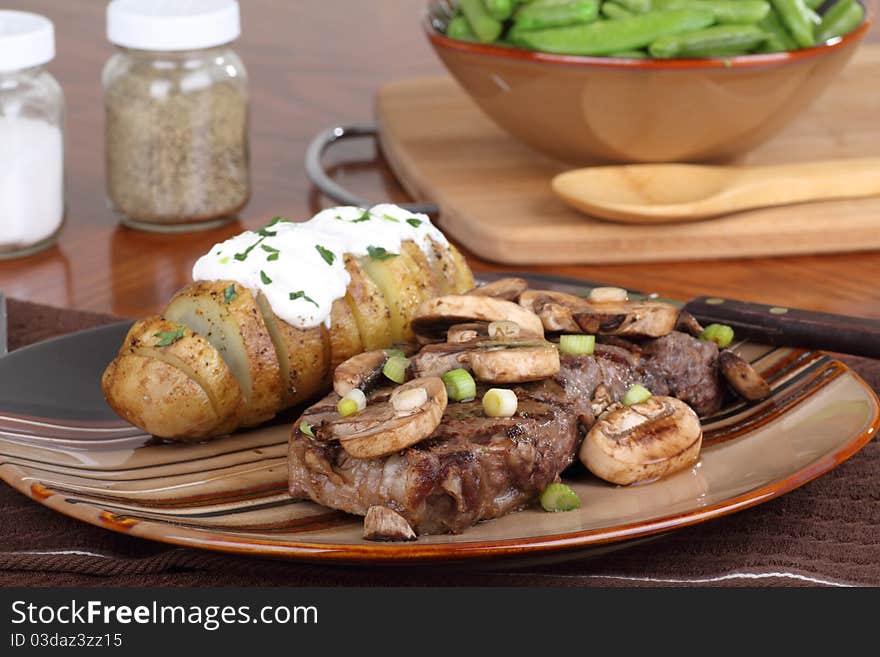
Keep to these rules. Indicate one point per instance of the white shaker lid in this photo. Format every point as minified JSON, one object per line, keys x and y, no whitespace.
{"x":26,"y":40}
{"x":172,"y":24}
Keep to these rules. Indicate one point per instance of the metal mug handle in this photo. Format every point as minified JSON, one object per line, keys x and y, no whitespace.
{"x":327,"y":186}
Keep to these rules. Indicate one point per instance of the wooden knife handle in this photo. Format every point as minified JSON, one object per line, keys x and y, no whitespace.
{"x":791,"y":327}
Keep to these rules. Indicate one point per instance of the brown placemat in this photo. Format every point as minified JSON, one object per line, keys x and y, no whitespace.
{"x":823,"y":533}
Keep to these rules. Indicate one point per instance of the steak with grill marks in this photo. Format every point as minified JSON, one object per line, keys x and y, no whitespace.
{"x":475,"y":467}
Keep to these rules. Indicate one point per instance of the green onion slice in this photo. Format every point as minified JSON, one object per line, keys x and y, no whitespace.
{"x":559,"y":497}
{"x":395,"y":369}
{"x":306,"y":428}
{"x":636,"y":395}
{"x":579,"y":345}
{"x":347,"y":406}
{"x":460,"y":385}
{"x":720,"y":334}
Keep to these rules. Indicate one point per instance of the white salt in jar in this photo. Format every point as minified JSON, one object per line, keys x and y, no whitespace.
{"x":31,"y":136}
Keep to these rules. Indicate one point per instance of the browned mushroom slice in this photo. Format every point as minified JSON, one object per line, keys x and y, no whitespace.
{"x":742,"y":377}
{"x":513,"y":364}
{"x":559,"y":311}
{"x":410,"y":414}
{"x":363,"y":371}
{"x":384,"y":524}
{"x":687,"y":323}
{"x":644,"y":441}
{"x":504,"y":288}
{"x":467,"y":332}
{"x":434,"y":316}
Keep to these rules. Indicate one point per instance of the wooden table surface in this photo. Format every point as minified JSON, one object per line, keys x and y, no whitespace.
{"x":312,"y":64}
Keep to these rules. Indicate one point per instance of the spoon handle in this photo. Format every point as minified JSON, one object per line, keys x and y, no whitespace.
{"x":791,"y":327}
{"x":808,"y":181}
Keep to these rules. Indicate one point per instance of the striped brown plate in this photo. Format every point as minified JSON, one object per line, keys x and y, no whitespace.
{"x":62,"y":446}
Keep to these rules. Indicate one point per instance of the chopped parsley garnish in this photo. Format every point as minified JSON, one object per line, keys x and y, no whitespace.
{"x":265,"y":232}
{"x":379,"y":253}
{"x":365,"y":216}
{"x":273,"y":256}
{"x":229,"y":294}
{"x":415,"y":223}
{"x":266,"y":280}
{"x":388,"y":217}
{"x":302,"y":295}
{"x":168,"y":338}
{"x":278,"y":220}
{"x":306,"y":428}
{"x":244,"y":254}
{"x":327,"y":254}
{"x":271,"y":250}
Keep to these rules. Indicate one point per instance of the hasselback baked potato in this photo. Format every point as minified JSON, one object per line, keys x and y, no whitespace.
{"x":271,"y":313}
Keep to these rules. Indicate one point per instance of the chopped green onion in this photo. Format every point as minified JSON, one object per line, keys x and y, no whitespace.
{"x":395,"y":369}
{"x":277,"y":220}
{"x":224,"y":260}
{"x":395,"y":352}
{"x":364,"y":217}
{"x":460,"y":385}
{"x":559,"y":497}
{"x":347,"y":407}
{"x":300,"y":294}
{"x":266,"y":280}
{"x":415,"y":223}
{"x":636,"y":395}
{"x":306,"y":428}
{"x":579,"y":345}
{"x":388,"y":217}
{"x":229,"y":294}
{"x":500,"y":402}
{"x":720,"y":334}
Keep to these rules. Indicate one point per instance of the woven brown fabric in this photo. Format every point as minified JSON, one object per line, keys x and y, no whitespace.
{"x":825,"y":532}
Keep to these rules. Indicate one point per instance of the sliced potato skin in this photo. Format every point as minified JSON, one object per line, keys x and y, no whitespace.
{"x":368,"y":306}
{"x":238,"y":331}
{"x":238,"y":364}
{"x":159,"y":398}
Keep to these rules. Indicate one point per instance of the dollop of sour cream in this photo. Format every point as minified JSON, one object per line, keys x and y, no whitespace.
{"x":300,"y":267}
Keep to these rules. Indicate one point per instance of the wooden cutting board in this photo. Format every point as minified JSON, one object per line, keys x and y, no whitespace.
{"x":495,"y":198}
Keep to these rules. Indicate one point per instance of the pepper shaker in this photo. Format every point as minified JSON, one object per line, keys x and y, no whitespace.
{"x":176,"y":107}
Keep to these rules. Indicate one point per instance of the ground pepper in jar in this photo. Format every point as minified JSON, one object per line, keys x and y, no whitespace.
{"x":176,"y":106}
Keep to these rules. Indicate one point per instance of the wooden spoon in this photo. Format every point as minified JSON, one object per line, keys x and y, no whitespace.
{"x":662,"y":193}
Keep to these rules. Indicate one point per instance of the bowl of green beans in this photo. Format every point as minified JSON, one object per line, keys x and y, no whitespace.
{"x":588,"y":81}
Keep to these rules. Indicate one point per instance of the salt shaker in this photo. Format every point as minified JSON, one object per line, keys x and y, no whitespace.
{"x":176,"y":106}
{"x":31,"y":136}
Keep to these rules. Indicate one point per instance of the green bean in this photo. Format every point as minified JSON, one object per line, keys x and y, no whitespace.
{"x":637,"y":6}
{"x":630,"y":54}
{"x":605,"y":37}
{"x":717,"y":41}
{"x":481,"y":22}
{"x":541,"y":16}
{"x":795,"y":17}
{"x":725,"y":11}
{"x":778,"y":38}
{"x":458,"y":28}
{"x":843,"y":17}
{"x":614,"y":11}
{"x":499,"y":9}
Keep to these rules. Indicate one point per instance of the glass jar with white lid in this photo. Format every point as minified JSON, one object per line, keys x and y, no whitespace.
{"x":176,"y":109}
{"x":31,"y":136}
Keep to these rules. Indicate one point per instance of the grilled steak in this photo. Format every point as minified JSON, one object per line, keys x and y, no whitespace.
{"x":475,"y":467}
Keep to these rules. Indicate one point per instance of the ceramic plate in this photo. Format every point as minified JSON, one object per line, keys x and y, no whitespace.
{"x":62,"y":446}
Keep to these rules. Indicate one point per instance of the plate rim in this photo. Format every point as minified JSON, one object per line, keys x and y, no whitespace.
{"x":467,"y":551}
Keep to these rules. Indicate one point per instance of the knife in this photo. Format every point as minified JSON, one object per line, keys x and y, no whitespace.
{"x":781,"y":326}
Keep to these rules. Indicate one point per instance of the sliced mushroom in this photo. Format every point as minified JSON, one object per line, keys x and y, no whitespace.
{"x":363,"y":371}
{"x":384,"y":524}
{"x":513,"y":364}
{"x":503,"y":288}
{"x":434,"y":317}
{"x":687,"y":323}
{"x":382,"y":429}
{"x":742,"y":377}
{"x":468,"y":332}
{"x":559,"y":311}
{"x":644,"y":441}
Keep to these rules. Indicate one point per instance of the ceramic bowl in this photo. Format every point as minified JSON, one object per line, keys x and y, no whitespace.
{"x":595,"y":109}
